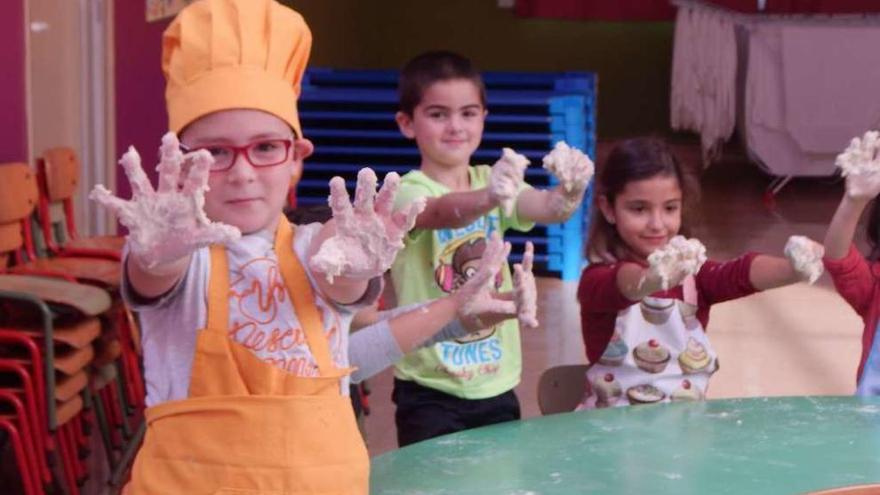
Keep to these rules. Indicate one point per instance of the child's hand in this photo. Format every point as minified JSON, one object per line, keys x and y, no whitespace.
{"x":525,"y":290}
{"x":805,"y":257}
{"x":479,"y":305}
{"x":860,"y":164}
{"x":368,"y":233}
{"x":573,"y":169}
{"x":168,"y":223}
{"x":675,"y":261}
{"x":505,"y":179}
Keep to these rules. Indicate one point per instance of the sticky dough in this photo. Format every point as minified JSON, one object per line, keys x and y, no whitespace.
{"x":508,"y":189}
{"x":569,"y":165}
{"x":805,"y":256}
{"x":859,"y":157}
{"x":677,"y":256}
{"x":361,"y":258}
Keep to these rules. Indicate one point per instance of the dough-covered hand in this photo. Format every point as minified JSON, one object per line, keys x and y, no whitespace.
{"x":525,"y":290}
{"x":571,"y":167}
{"x":805,"y":256}
{"x":479,"y":303}
{"x":369,"y":233}
{"x":860,"y":164}
{"x":506,"y":178}
{"x":167,"y":223}
{"x":675,"y":261}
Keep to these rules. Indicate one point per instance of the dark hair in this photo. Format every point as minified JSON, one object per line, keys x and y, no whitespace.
{"x":431,"y":67}
{"x":633,"y":160}
{"x":305,"y":215}
{"x":872,"y":231}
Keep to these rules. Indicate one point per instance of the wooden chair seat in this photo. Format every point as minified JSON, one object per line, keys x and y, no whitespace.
{"x":109,"y":351}
{"x":74,"y":360}
{"x":69,"y":386}
{"x":87,"y":299}
{"x":65,"y":411}
{"x":107,"y":273}
{"x":104,"y":243}
{"x":77,"y":335}
{"x":58,"y":172}
{"x":561,"y":388}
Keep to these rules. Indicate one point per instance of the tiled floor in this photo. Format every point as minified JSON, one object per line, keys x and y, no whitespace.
{"x":796,"y":340}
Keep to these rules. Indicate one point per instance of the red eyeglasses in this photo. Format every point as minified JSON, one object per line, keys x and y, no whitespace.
{"x":263,"y":153}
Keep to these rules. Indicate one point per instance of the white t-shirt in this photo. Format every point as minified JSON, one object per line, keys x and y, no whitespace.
{"x":261,"y":316}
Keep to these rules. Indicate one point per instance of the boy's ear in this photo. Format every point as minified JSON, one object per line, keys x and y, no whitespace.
{"x":606,"y":209}
{"x":302,"y":149}
{"x":404,"y":123}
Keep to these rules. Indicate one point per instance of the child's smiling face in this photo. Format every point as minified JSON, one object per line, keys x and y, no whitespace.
{"x":447,"y":124}
{"x":245,"y":196}
{"x":646,"y":213}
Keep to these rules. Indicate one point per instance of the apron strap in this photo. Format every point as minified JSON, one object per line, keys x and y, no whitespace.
{"x":300,"y":290}
{"x":218,"y":289}
{"x":689,"y":290}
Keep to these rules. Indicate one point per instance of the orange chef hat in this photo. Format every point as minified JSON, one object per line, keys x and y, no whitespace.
{"x":226,"y":54}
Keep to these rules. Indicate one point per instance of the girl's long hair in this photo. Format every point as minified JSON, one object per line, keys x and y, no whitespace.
{"x":629,"y":161}
{"x":872,"y":231}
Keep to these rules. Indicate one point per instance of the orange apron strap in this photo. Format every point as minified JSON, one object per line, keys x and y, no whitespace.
{"x":218,"y":289}
{"x":303,"y":298}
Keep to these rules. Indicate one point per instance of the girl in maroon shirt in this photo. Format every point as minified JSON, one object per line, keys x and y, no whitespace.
{"x":856,"y":277}
{"x":646,"y":344}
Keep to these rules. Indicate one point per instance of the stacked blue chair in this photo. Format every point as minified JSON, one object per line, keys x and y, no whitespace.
{"x":349,"y":115}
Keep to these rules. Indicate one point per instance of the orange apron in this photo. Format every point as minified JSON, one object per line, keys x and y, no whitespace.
{"x":249,"y":427}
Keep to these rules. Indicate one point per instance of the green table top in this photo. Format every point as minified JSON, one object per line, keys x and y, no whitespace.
{"x":745,"y":446}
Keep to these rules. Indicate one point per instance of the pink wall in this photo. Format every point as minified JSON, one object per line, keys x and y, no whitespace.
{"x":140,"y":102}
{"x":13,"y":124}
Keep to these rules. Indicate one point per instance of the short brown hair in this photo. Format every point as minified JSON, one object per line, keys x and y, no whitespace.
{"x":430,"y":67}
{"x":629,"y":161}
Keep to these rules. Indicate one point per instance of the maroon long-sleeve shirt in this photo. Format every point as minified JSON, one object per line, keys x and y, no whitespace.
{"x":601,"y":299}
{"x":857,"y":280}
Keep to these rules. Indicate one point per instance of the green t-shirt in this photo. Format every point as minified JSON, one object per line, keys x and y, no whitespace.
{"x":436,"y":262}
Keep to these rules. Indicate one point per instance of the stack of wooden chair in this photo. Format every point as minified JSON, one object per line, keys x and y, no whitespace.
{"x":69,"y":367}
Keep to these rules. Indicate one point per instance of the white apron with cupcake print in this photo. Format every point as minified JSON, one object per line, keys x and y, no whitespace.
{"x":658,"y":353}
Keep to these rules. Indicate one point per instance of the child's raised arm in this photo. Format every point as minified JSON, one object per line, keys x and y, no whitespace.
{"x":167,"y":224}
{"x":861,"y":167}
{"x":842,"y":229}
{"x":461,"y":208}
{"x":455,"y":210}
{"x":850,"y":271}
{"x":667,"y":267}
{"x":574,"y":170}
{"x":506,"y":190}
{"x":802,"y":263}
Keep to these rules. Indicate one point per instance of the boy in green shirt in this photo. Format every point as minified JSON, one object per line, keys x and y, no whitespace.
{"x":464,"y":383}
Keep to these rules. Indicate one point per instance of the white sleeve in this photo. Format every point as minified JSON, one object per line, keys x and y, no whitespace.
{"x":373,"y":348}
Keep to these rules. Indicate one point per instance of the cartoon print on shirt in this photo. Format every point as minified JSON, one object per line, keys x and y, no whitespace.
{"x":457,"y":264}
